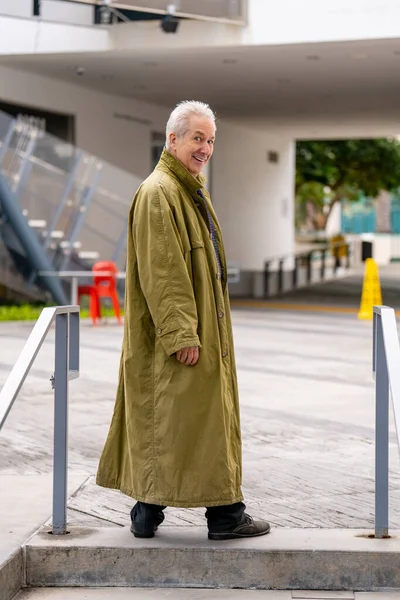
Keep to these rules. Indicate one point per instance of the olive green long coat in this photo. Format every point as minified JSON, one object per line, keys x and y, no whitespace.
{"x":174,"y":439}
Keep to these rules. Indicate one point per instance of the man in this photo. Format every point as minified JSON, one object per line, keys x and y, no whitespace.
{"x":175,"y":438}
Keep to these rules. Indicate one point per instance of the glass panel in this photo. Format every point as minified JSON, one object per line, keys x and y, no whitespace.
{"x":215,"y":9}
{"x":76,"y":203}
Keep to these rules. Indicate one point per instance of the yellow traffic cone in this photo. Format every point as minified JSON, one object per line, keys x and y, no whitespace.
{"x":371,"y":291}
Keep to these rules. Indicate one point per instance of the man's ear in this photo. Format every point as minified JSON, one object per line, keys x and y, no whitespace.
{"x":172,"y":140}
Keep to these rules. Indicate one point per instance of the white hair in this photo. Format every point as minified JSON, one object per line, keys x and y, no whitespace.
{"x":178,"y":121}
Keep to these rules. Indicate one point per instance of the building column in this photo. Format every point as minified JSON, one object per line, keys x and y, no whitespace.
{"x":253,"y":180}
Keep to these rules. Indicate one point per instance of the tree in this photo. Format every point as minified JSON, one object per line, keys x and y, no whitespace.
{"x":329,"y":171}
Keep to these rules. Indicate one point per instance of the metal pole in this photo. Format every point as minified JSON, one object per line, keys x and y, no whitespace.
{"x":74,"y":291}
{"x":374,"y":330}
{"x":266,"y":278}
{"x":74,"y":344}
{"x":295,"y":274}
{"x":7,"y":141}
{"x":348,"y":256}
{"x":309,"y":267}
{"x":60,"y":464}
{"x":381,"y":435}
{"x":323,"y":258}
{"x":36,"y":8}
{"x":280,"y":277}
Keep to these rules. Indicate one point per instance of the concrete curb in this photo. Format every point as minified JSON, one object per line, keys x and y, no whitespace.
{"x":12,"y":575}
{"x":285,"y":559}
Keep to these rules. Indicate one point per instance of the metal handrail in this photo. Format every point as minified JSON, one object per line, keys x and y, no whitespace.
{"x":312,"y":249}
{"x":66,"y":368}
{"x":386,"y":372}
{"x":233,"y":273}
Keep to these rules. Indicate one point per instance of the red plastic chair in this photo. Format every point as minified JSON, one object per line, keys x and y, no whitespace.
{"x":94,"y":301}
{"x":106,"y":285}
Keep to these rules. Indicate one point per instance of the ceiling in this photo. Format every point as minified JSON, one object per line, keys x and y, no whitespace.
{"x":307,"y":83}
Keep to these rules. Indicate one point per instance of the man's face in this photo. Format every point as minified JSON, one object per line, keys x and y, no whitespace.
{"x":195,"y":148}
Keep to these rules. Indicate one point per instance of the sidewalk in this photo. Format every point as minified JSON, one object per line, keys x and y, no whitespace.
{"x":307,"y":404}
{"x":345,"y":292}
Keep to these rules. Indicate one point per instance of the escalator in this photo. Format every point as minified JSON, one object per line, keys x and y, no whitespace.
{"x":61,"y":209}
{"x":26,"y":251}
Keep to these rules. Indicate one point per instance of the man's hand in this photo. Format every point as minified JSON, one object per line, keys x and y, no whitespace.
{"x":188,"y":356}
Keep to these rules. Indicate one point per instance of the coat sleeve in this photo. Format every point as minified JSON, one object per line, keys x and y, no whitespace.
{"x":163,"y":275}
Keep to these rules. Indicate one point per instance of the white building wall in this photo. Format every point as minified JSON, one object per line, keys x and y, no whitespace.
{"x":66,"y":12}
{"x":35,"y":36}
{"x":114,"y":128}
{"x":294,"y":21}
{"x":19,"y":8}
{"x":254,"y":198}
{"x":50,"y":10}
{"x":284,"y":22}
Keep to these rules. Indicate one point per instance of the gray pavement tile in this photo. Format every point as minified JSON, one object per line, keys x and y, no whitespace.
{"x":307,"y":410}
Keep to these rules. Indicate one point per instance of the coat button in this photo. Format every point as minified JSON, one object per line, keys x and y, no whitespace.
{"x":224,"y":354}
{"x":221,"y":314}
{"x":159,"y":330}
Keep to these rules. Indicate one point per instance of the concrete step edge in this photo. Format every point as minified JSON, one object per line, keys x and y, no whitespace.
{"x":12,"y":575}
{"x":285,"y":559}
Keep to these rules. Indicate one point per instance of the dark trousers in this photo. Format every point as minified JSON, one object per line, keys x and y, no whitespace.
{"x":218,"y":518}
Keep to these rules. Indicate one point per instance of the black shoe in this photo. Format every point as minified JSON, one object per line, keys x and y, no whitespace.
{"x":145,"y":520}
{"x":249,"y":528}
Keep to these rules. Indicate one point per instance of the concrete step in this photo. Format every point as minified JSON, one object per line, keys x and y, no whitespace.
{"x":192,"y":594}
{"x":181,"y":594}
{"x":286,"y":559}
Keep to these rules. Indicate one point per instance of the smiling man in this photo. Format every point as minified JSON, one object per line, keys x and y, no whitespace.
{"x":175,"y":437}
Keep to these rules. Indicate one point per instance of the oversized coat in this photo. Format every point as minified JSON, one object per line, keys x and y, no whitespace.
{"x":175,"y":438}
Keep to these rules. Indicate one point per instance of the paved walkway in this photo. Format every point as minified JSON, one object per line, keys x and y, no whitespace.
{"x":345,"y":291}
{"x":307,"y":405}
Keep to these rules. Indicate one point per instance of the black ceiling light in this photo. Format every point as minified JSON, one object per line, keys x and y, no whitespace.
{"x":169,"y":23}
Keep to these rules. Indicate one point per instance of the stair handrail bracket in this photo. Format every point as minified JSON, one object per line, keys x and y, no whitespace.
{"x":67,"y":332}
{"x":386,"y":372}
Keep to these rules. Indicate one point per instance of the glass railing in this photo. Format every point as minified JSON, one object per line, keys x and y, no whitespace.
{"x":90,"y":12}
{"x":77,"y":203}
{"x":227,"y":10}
{"x":58,"y":11}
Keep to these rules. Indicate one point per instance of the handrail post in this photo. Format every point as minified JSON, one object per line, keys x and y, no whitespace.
{"x":295,"y":274}
{"x":267,"y":278}
{"x":348,"y":264}
{"x":61,"y":379}
{"x":381,"y":432}
{"x":309,"y":257}
{"x":280,"y":276}
{"x":323,"y":258}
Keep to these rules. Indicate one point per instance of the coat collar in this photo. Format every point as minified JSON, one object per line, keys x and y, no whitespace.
{"x":168,"y":162}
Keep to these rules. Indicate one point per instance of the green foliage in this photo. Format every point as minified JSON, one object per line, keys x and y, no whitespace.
{"x":367,"y":165}
{"x":28,"y":312}
{"x":329,"y":171}
{"x":24,"y":312}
